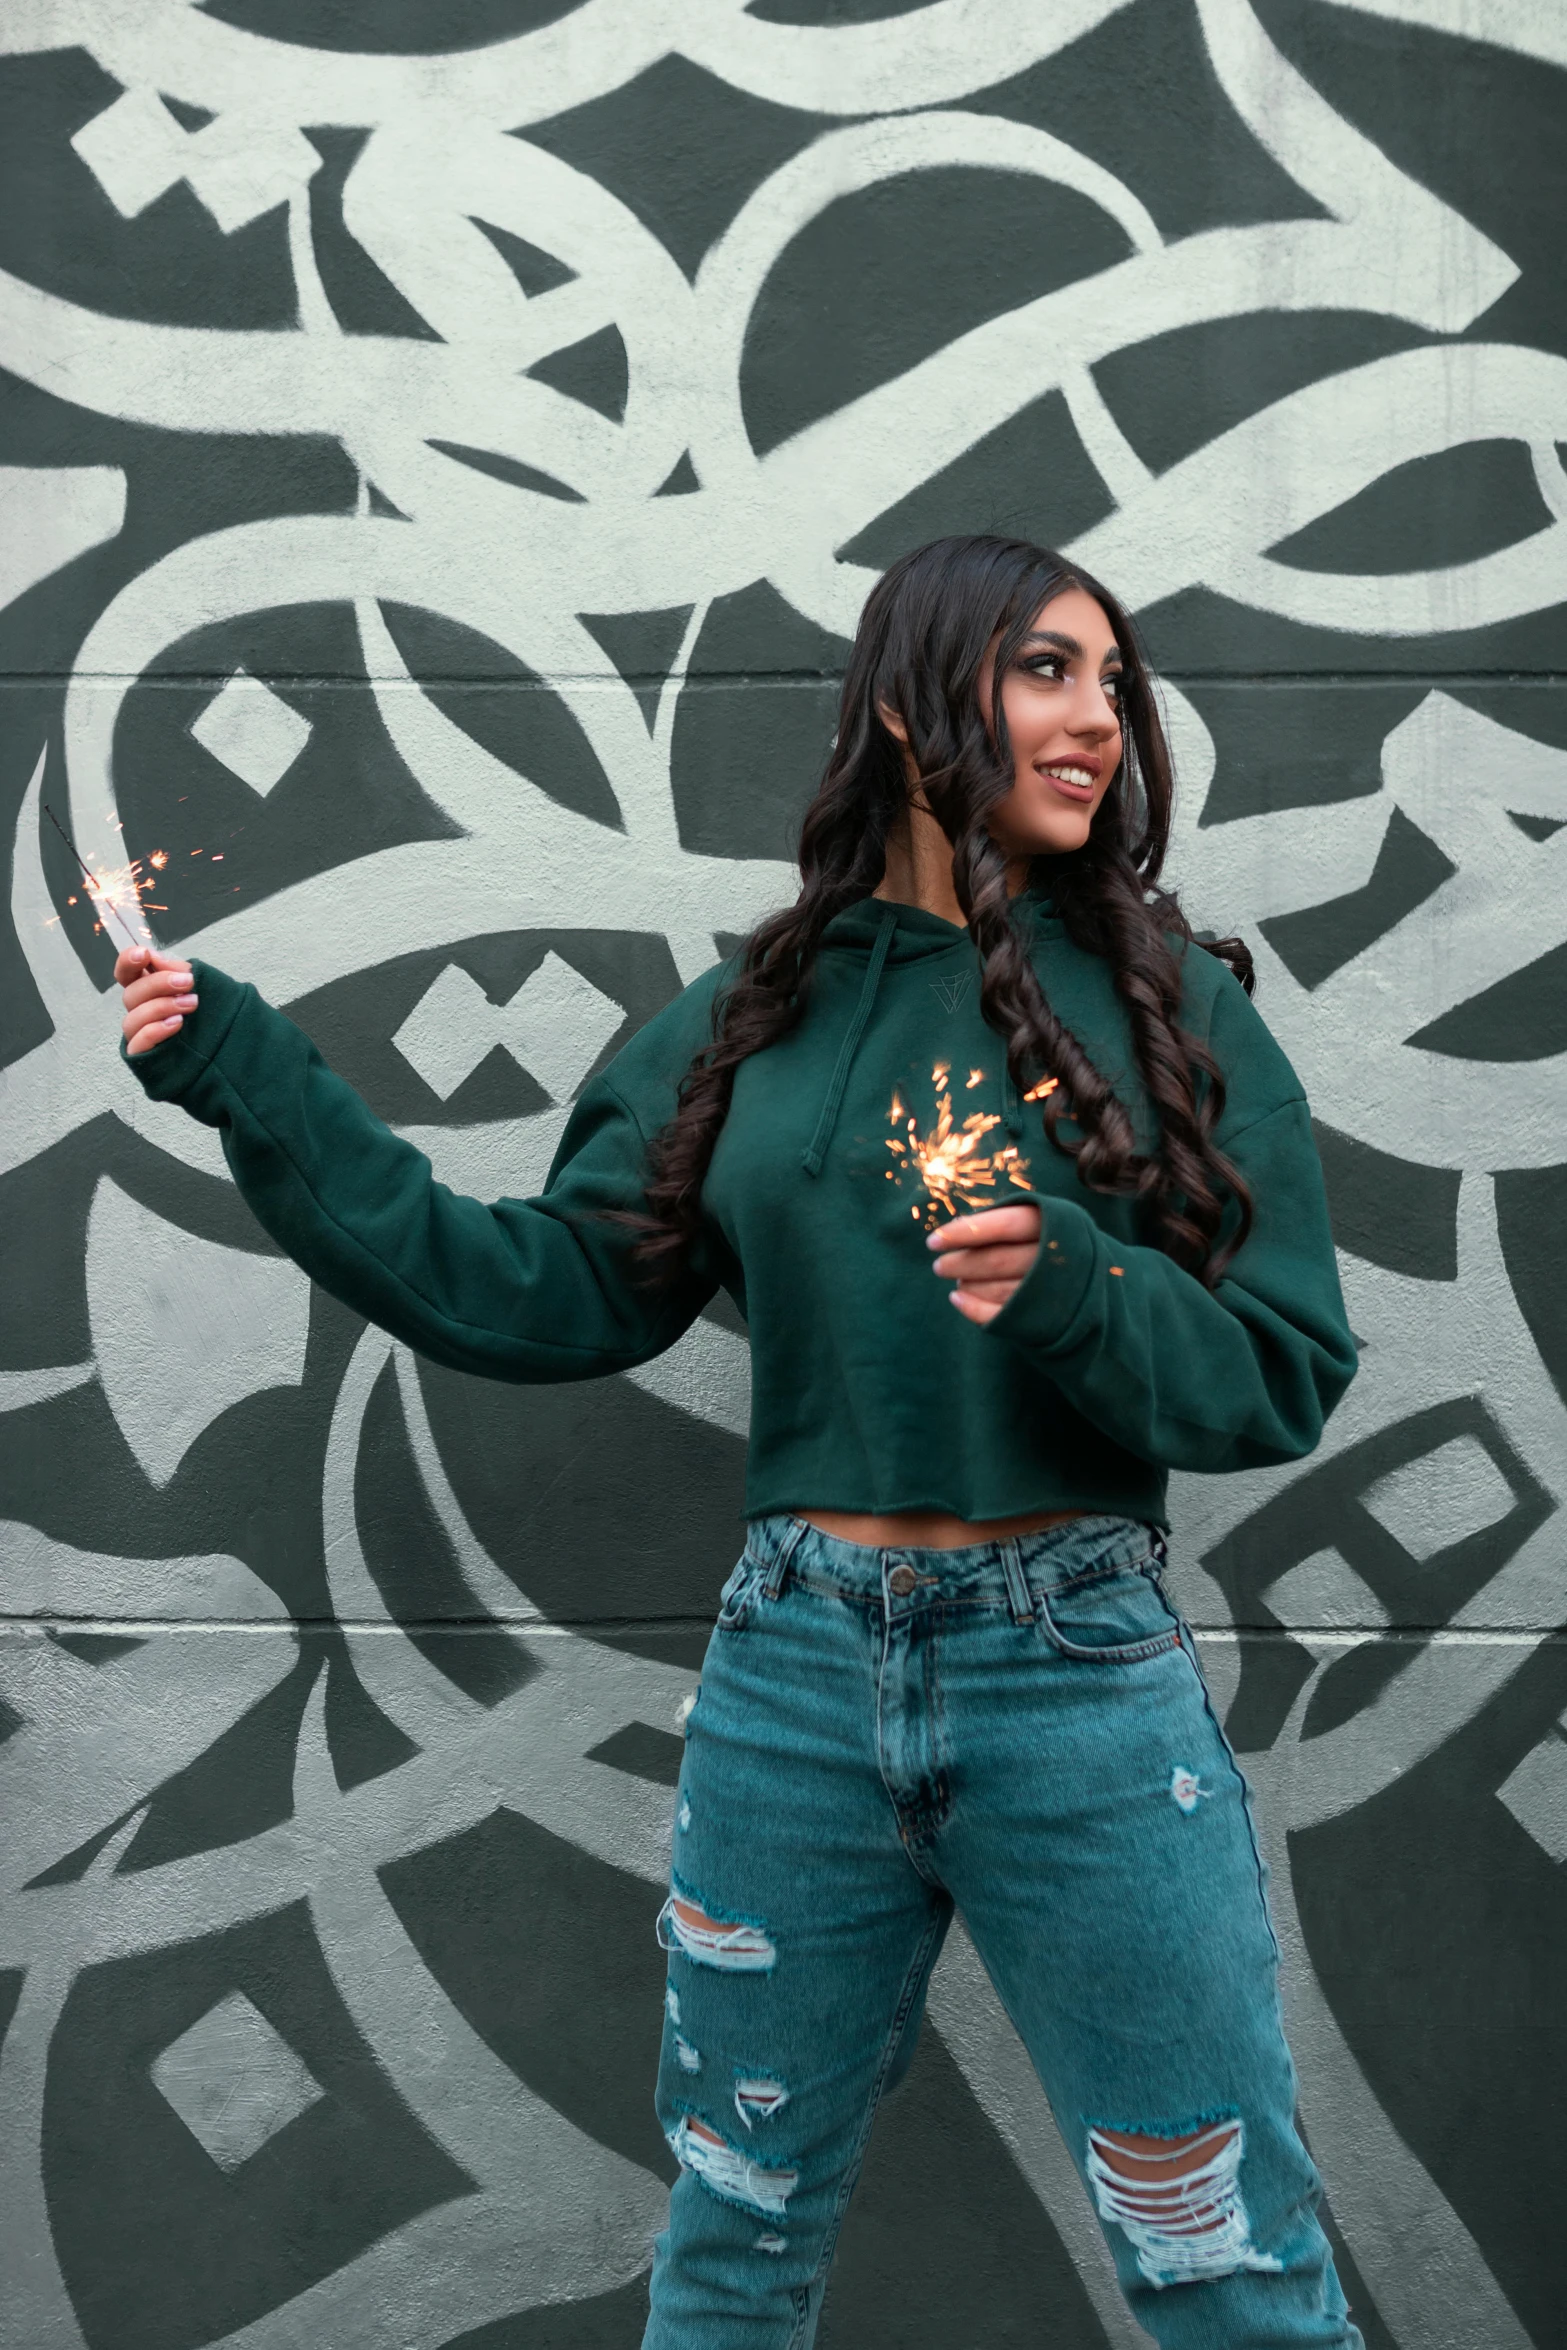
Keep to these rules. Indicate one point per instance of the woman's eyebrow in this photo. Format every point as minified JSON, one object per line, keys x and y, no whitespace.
{"x":1070,"y":646}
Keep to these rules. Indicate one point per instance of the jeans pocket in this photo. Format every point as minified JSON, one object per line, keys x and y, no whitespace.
{"x":1113,"y":1619}
{"x":739,"y":1593}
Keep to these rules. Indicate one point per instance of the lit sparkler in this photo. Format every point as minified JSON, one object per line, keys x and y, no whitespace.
{"x":118,"y":889}
{"x":950,"y":1163}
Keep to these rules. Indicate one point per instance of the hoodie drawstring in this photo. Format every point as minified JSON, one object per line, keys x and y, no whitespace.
{"x":1011,"y":1102}
{"x":812,"y":1161}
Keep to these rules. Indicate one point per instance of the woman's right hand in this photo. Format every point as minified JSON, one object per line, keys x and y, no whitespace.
{"x":159,"y":991}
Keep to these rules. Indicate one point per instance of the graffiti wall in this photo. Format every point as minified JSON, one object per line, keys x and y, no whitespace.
{"x":446,"y":444}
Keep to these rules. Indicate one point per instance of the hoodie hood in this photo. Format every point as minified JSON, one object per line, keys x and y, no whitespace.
{"x":918,"y":936}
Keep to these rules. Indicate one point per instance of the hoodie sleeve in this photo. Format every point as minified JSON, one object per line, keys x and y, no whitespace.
{"x":531,"y":1289}
{"x":1185,"y":1377}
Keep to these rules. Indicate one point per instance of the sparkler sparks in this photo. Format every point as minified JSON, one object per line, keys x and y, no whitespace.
{"x":949,"y":1163}
{"x":118,"y":892}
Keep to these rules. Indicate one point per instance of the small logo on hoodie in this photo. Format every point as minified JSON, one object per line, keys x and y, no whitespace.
{"x":953,"y":991}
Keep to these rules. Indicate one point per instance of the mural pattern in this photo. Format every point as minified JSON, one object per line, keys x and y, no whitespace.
{"x":446,"y":448}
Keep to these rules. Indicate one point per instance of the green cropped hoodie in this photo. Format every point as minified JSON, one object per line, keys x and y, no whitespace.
{"x":1108,"y":1366}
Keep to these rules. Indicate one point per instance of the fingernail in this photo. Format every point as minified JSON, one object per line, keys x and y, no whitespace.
{"x":176,"y":1022}
{"x":186,"y":1003}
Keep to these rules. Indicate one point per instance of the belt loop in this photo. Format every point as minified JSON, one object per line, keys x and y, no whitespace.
{"x":1161,"y":1549}
{"x":1019,"y":1598}
{"x":774,"y":1582}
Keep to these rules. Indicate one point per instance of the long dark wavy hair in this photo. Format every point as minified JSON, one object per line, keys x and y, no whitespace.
{"x":921,"y":649}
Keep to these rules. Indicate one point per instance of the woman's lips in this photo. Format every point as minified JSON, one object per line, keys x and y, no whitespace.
{"x":1077,"y":783}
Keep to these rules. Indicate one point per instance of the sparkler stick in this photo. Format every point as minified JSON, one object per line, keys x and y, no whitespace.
{"x":101,"y":896}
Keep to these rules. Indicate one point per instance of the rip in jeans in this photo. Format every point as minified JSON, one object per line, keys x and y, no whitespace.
{"x":732,"y":1944}
{"x":758,"y":2098}
{"x":731,"y":2174}
{"x":1178,"y":2199}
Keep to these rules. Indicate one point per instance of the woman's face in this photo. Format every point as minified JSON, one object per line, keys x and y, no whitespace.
{"x":1061,"y":698}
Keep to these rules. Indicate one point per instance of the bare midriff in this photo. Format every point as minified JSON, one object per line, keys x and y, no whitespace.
{"x":929,"y":1529}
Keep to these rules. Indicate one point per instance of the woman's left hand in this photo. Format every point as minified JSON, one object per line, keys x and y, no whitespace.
{"x":987,"y":1255}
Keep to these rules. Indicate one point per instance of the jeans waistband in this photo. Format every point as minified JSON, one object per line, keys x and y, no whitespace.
{"x":1044,"y":1560}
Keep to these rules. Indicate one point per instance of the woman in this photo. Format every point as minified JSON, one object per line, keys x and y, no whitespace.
{"x":944,"y":1671}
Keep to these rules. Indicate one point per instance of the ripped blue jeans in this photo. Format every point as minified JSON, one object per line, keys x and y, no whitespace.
{"x":1019,"y":1730}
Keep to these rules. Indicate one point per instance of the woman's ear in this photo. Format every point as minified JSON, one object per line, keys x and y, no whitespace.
{"x":893,"y":723}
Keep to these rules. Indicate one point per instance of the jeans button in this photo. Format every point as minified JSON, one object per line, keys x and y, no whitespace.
{"x":901,"y":1581}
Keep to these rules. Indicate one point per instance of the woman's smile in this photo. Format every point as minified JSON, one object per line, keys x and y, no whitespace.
{"x":1075,"y":777}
